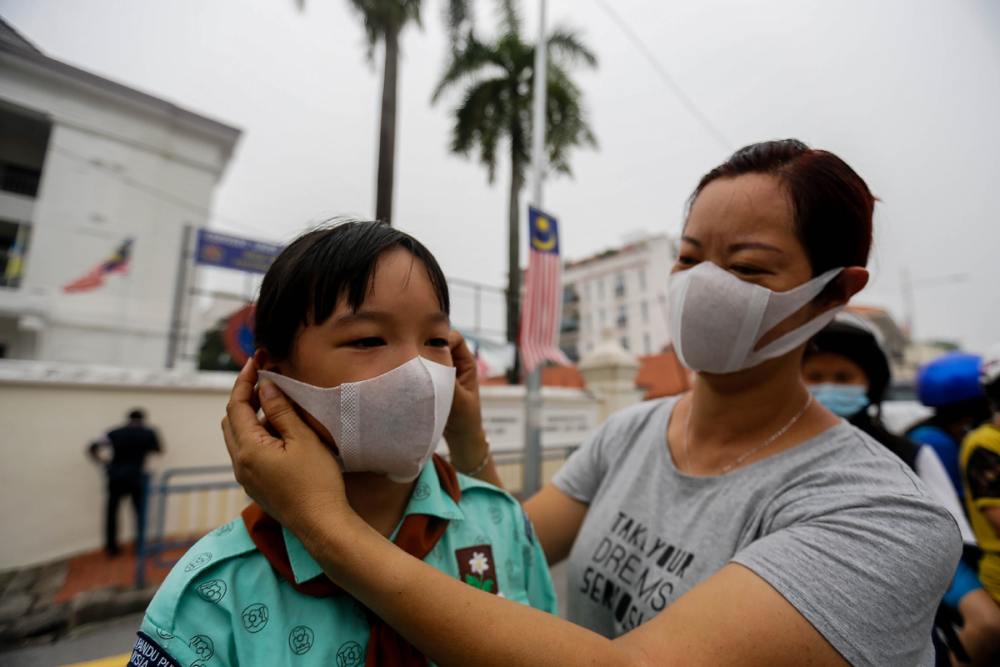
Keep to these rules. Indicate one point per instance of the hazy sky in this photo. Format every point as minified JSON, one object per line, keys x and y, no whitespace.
{"x":907,"y":91}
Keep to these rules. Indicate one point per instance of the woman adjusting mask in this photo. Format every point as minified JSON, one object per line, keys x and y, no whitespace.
{"x":740,"y":523}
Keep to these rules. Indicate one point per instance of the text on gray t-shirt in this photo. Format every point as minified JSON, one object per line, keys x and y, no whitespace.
{"x":837,"y":525}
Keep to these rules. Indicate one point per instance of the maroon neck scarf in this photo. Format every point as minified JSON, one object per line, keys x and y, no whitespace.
{"x":417,"y":536}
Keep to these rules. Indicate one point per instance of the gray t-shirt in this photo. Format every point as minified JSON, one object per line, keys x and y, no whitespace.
{"x":837,"y":525}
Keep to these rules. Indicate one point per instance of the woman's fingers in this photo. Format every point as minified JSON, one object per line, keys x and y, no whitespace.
{"x":464,"y":360}
{"x":281,"y":414}
{"x":240,"y":409}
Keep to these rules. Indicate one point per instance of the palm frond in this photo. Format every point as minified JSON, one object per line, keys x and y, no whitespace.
{"x":509,"y":16}
{"x":480,"y":121}
{"x":471,"y":60}
{"x":566,"y":46}
{"x":383,"y":17}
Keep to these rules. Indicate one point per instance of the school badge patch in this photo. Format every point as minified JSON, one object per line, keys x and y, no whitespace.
{"x":147,"y":653}
{"x":476,"y":567}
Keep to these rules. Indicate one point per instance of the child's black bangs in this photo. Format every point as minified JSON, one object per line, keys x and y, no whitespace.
{"x":312,"y":274}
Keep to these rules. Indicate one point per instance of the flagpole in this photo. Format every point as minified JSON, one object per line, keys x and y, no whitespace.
{"x":531,"y":479}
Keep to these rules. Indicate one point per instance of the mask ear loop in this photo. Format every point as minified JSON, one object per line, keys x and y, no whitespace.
{"x":794,"y":338}
{"x":785,"y":304}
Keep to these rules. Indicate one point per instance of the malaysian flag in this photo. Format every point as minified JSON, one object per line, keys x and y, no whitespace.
{"x":116,"y":263}
{"x":541,"y":313}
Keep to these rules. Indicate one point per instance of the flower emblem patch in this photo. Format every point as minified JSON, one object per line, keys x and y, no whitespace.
{"x":477,"y":568}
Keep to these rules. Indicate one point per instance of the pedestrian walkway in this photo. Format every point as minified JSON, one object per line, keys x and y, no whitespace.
{"x":50,"y":599}
{"x":94,"y":571}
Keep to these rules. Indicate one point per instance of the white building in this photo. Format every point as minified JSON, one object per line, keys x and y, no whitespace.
{"x":85,"y":165}
{"x":621,"y":291}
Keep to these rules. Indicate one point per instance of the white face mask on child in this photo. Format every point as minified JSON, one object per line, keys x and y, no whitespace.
{"x":389,"y":424}
{"x":716,"y":319}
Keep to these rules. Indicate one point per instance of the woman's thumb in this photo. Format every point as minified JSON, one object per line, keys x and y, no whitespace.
{"x":279,"y":410}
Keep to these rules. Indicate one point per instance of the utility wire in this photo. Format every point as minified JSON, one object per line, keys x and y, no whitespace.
{"x":665,"y":75}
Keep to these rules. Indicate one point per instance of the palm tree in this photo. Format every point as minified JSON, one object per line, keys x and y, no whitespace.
{"x":384,"y":20}
{"x":497,"y":78}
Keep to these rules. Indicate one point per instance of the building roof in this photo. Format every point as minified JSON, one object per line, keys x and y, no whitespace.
{"x":662,"y":375}
{"x":614,"y":252}
{"x":10,"y":36}
{"x":13,"y":44}
{"x":894,"y":338}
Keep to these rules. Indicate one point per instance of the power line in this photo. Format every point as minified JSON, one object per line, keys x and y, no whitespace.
{"x":665,"y":75}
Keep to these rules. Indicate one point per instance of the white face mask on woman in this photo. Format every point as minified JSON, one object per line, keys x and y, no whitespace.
{"x":388,"y":424}
{"x":716,"y":319}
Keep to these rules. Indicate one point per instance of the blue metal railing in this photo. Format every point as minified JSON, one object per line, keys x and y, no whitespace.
{"x":172,"y":482}
{"x":154,"y":547}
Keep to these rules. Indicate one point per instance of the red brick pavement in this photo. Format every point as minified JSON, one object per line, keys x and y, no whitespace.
{"x":95,"y":570}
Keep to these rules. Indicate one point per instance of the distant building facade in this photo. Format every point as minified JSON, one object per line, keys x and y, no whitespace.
{"x":621,"y":293}
{"x":88,"y":167}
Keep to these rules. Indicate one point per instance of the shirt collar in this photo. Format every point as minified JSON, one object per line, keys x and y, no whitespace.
{"x":428,"y":498}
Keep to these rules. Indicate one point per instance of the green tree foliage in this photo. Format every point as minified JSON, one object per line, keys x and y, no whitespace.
{"x":495,"y":81}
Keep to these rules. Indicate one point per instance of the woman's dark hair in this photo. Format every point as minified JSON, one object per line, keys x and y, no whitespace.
{"x":316,"y":270}
{"x":832,"y":205}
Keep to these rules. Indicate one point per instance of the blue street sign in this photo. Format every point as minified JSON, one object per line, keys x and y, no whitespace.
{"x":233,"y":252}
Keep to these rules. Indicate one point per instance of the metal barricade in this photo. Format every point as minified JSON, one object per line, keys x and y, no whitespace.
{"x":196,"y":491}
{"x":510,"y":465}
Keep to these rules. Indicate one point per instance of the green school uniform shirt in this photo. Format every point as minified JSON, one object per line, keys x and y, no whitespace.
{"x":222,"y":604}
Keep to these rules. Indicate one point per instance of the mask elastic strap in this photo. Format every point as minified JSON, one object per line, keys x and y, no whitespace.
{"x":794,"y":338}
{"x":785,"y":304}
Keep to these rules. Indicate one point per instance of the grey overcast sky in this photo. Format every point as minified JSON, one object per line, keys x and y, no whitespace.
{"x":907,"y":91}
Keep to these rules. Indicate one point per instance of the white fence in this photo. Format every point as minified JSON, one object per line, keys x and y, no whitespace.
{"x":53,"y":496}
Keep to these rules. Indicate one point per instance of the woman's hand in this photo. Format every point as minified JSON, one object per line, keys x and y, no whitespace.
{"x":464,"y":431}
{"x":292,"y":474}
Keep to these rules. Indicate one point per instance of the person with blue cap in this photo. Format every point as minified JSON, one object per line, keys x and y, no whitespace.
{"x":950,"y":386}
{"x":980,"y":464}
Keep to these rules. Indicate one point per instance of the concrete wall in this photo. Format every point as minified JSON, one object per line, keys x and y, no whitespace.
{"x":52,"y":495}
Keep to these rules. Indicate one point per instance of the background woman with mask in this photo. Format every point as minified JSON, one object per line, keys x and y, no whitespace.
{"x":848,"y":373}
{"x":742,"y":523}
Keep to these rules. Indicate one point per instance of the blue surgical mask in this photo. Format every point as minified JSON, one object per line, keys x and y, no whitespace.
{"x":845,"y":400}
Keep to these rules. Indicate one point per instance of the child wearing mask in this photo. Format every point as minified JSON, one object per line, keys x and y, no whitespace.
{"x":352,"y":325}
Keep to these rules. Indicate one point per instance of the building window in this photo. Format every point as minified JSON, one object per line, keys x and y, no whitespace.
{"x":622,"y":317}
{"x":644,"y":311}
{"x":24,"y":140}
{"x":602,"y":314}
{"x":642,"y":279}
{"x":624,"y":342}
{"x":600,"y":288}
{"x":14,"y":238}
{"x":646,"y":346}
{"x":620,"y":285}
